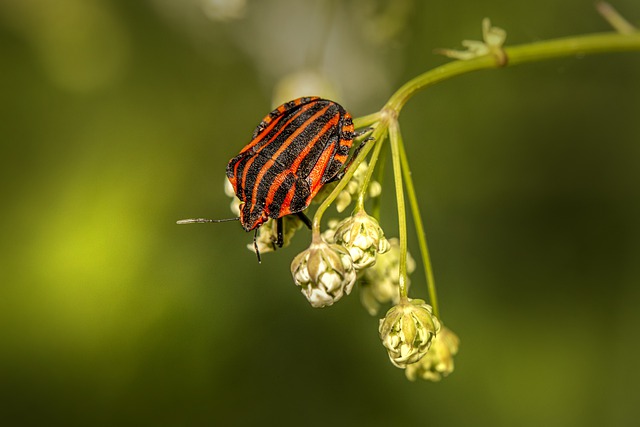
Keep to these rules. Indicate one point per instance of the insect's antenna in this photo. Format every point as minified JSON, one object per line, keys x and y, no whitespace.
{"x":202,"y":220}
{"x":255,"y":245}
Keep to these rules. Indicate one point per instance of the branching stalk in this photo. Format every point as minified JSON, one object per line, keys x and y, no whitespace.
{"x":395,"y":140}
{"x":367,"y":178}
{"x":530,"y":52}
{"x":422,"y":236}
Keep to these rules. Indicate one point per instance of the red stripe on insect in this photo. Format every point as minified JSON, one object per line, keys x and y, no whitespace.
{"x":316,"y":174}
{"x":272,"y":123}
{"x":286,"y":203}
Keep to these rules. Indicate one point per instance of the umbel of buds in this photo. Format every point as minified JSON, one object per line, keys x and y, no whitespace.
{"x":407,"y":331}
{"x":438,"y":362}
{"x":324,"y":273}
{"x":362,"y":236}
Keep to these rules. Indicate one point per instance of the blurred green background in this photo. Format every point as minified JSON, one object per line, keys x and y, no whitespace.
{"x":118,"y":118}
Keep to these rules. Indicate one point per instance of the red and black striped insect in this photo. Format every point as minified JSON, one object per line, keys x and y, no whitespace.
{"x":296,"y":149}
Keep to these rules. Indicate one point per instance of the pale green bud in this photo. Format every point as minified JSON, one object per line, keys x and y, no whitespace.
{"x":438,"y":362}
{"x":407,"y":331}
{"x":380,"y":284}
{"x":343,"y":200}
{"x":324,"y":273}
{"x":363,"y":237}
{"x":375,"y":189}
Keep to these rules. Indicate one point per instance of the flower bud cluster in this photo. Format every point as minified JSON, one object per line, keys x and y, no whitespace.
{"x":438,"y":362}
{"x":357,"y":241}
{"x":363,"y":237}
{"x":324,"y":272}
{"x":407,"y":331}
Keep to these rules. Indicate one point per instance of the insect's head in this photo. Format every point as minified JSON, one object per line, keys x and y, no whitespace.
{"x":252,"y":219}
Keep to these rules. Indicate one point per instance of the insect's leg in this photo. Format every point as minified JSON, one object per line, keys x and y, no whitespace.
{"x":255,"y":245}
{"x":357,"y":151}
{"x":279,"y":227}
{"x":304,"y":219}
{"x":362,"y":132}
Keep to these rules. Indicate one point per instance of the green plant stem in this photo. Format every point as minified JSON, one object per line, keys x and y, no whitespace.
{"x":365,"y":182}
{"x":375,"y":208}
{"x":614,"y":19}
{"x":520,"y":54}
{"x":422,"y":237}
{"x":395,"y":140}
{"x":367,"y":120}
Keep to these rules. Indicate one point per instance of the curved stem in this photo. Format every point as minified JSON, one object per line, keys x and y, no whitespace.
{"x":422,"y":236}
{"x":395,"y":140}
{"x":530,"y":52}
{"x":365,"y":182}
{"x":368,"y":120}
{"x":375,"y":209}
{"x":614,"y":19}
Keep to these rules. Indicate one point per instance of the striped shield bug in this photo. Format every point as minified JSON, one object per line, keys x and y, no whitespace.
{"x":295,"y":150}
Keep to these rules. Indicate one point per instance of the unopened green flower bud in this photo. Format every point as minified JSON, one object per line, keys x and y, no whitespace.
{"x":343,"y":200}
{"x":438,"y":362}
{"x":375,"y":189}
{"x":324,"y":273}
{"x":407,"y":331}
{"x":380,"y":284}
{"x":364,"y":239}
